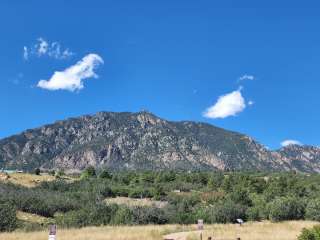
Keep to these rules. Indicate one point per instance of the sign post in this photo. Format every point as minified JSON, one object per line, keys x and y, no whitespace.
{"x":200,"y":227}
{"x":52,"y":232}
{"x":200,"y":224}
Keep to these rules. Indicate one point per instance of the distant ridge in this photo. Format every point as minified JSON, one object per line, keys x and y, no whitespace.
{"x":144,"y":141}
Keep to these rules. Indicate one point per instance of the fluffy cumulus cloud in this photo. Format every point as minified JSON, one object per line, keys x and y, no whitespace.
{"x":71,"y":79}
{"x":246,"y":77}
{"x":45,"y":48}
{"x":227,"y":105}
{"x":288,"y":142}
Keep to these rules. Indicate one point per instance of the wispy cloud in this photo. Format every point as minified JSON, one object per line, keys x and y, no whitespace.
{"x":288,"y":142}
{"x":25,"y":53}
{"x":250,"y":103}
{"x":71,"y":79}
{"x":246,"y":77}
{"x":45,"y":48}
{"x":227,"y":105}
{"x":17,"y":79}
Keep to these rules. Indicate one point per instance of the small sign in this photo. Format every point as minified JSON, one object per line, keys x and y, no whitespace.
{"x":200,"y":224}
{"x":52,"y":232}
{"x":240,"y":221}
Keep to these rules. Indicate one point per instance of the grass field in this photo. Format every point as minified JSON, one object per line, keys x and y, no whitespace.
{"x":249,"y":231}
{"x":30,"y":180}
{"x":26,"y":179}
{"x":32,"y":218}
{"x":136,"y":202}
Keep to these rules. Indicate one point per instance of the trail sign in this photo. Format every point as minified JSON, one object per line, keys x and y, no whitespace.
{"x":200,"y":224}
{"x":52,"y":232}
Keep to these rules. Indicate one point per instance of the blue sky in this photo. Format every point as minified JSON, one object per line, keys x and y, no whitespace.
{"x":181,"y":60}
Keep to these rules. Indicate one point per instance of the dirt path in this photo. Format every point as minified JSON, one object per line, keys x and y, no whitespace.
{"x":180,"y":235}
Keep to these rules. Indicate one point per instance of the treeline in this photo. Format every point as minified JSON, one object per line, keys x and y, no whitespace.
{"x":215,"y":197}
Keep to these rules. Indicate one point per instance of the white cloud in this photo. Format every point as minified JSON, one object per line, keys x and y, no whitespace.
{"x":44,"y":48}
{"x":25,"y":53}
{"x":227,"y":105}
{"x":71,"y":79}
{"x":246,"y":77}
{"x":250,"y":103}
{"x":288,"y":142}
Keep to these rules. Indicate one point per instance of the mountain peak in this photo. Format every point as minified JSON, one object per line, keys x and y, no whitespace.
{"x":144,"y":141}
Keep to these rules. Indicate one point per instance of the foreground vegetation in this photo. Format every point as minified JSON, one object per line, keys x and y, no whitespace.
{"x":249,"y":231}
{"x":103,"y":198}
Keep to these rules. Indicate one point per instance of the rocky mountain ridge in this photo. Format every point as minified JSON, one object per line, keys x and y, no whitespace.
{"x":144,"y":141}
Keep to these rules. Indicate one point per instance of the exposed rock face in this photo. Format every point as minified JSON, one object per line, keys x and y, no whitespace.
{"x":300,"y":158}
{"x":144,"y":141}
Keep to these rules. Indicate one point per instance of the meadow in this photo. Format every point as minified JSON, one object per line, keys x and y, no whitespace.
{"x":249,"y":231}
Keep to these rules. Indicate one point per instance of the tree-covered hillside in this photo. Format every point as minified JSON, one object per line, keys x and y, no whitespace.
{"x":215,"y":197}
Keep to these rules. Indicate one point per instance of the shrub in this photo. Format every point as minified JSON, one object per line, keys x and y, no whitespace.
{"x":253,"y":214}
{"x":105,"y":174}
{"x":285,"y":208}
{"x":149,"y":215}
{"x":60,"y":173}
{"x":122,"y":216}
{"x":240,"y":196}
{"x":258,"y":209}
{"x":140,"y":193}
{"x":310,"y":234}
{"x":94,"y":215}
{"x":8,"y":219}
{"x":89,"y":172}
{"x":226,"y":212}
{"x":313,"y":210}
{"x":37,"y":171}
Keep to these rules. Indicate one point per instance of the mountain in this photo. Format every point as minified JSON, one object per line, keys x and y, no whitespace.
{"x":144,"y":141}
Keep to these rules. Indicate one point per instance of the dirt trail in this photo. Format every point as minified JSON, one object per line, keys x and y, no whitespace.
{"x":180,"y":235}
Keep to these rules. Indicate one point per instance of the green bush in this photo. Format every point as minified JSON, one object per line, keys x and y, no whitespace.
{"x":149,"y":215}
{"x":226,"y":212}
{"x":37,"y":171}
{"x":89,"y":172}
{"x":105,"y":174}
{"x":123,"y":215}
{"x":94,"y":215}
{"x":310,"y":234}
{"x":253,"y":214}
{"x":286,"y":208}
{"x":313,"y":210}
{"x":8,"y":219}
{"x":258,"y":209}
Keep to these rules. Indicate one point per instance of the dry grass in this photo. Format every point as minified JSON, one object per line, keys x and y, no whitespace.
{"x":136,"y":202}
{"x":32,"y":218}
{"x":249,"y":231}
{"x":258,"y":230}
{"x":29,"y":180}
{"x":98,"y":233}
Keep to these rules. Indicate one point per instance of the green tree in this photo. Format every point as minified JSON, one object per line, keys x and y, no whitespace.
{"x":285,"y":208}
{"x":105,"y":174}
{"x":37,"y":171}
{"x":313,"y":210}
{"x":226,"y":212}
{"x":122,"y":216}
{"x":89,"y":172}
